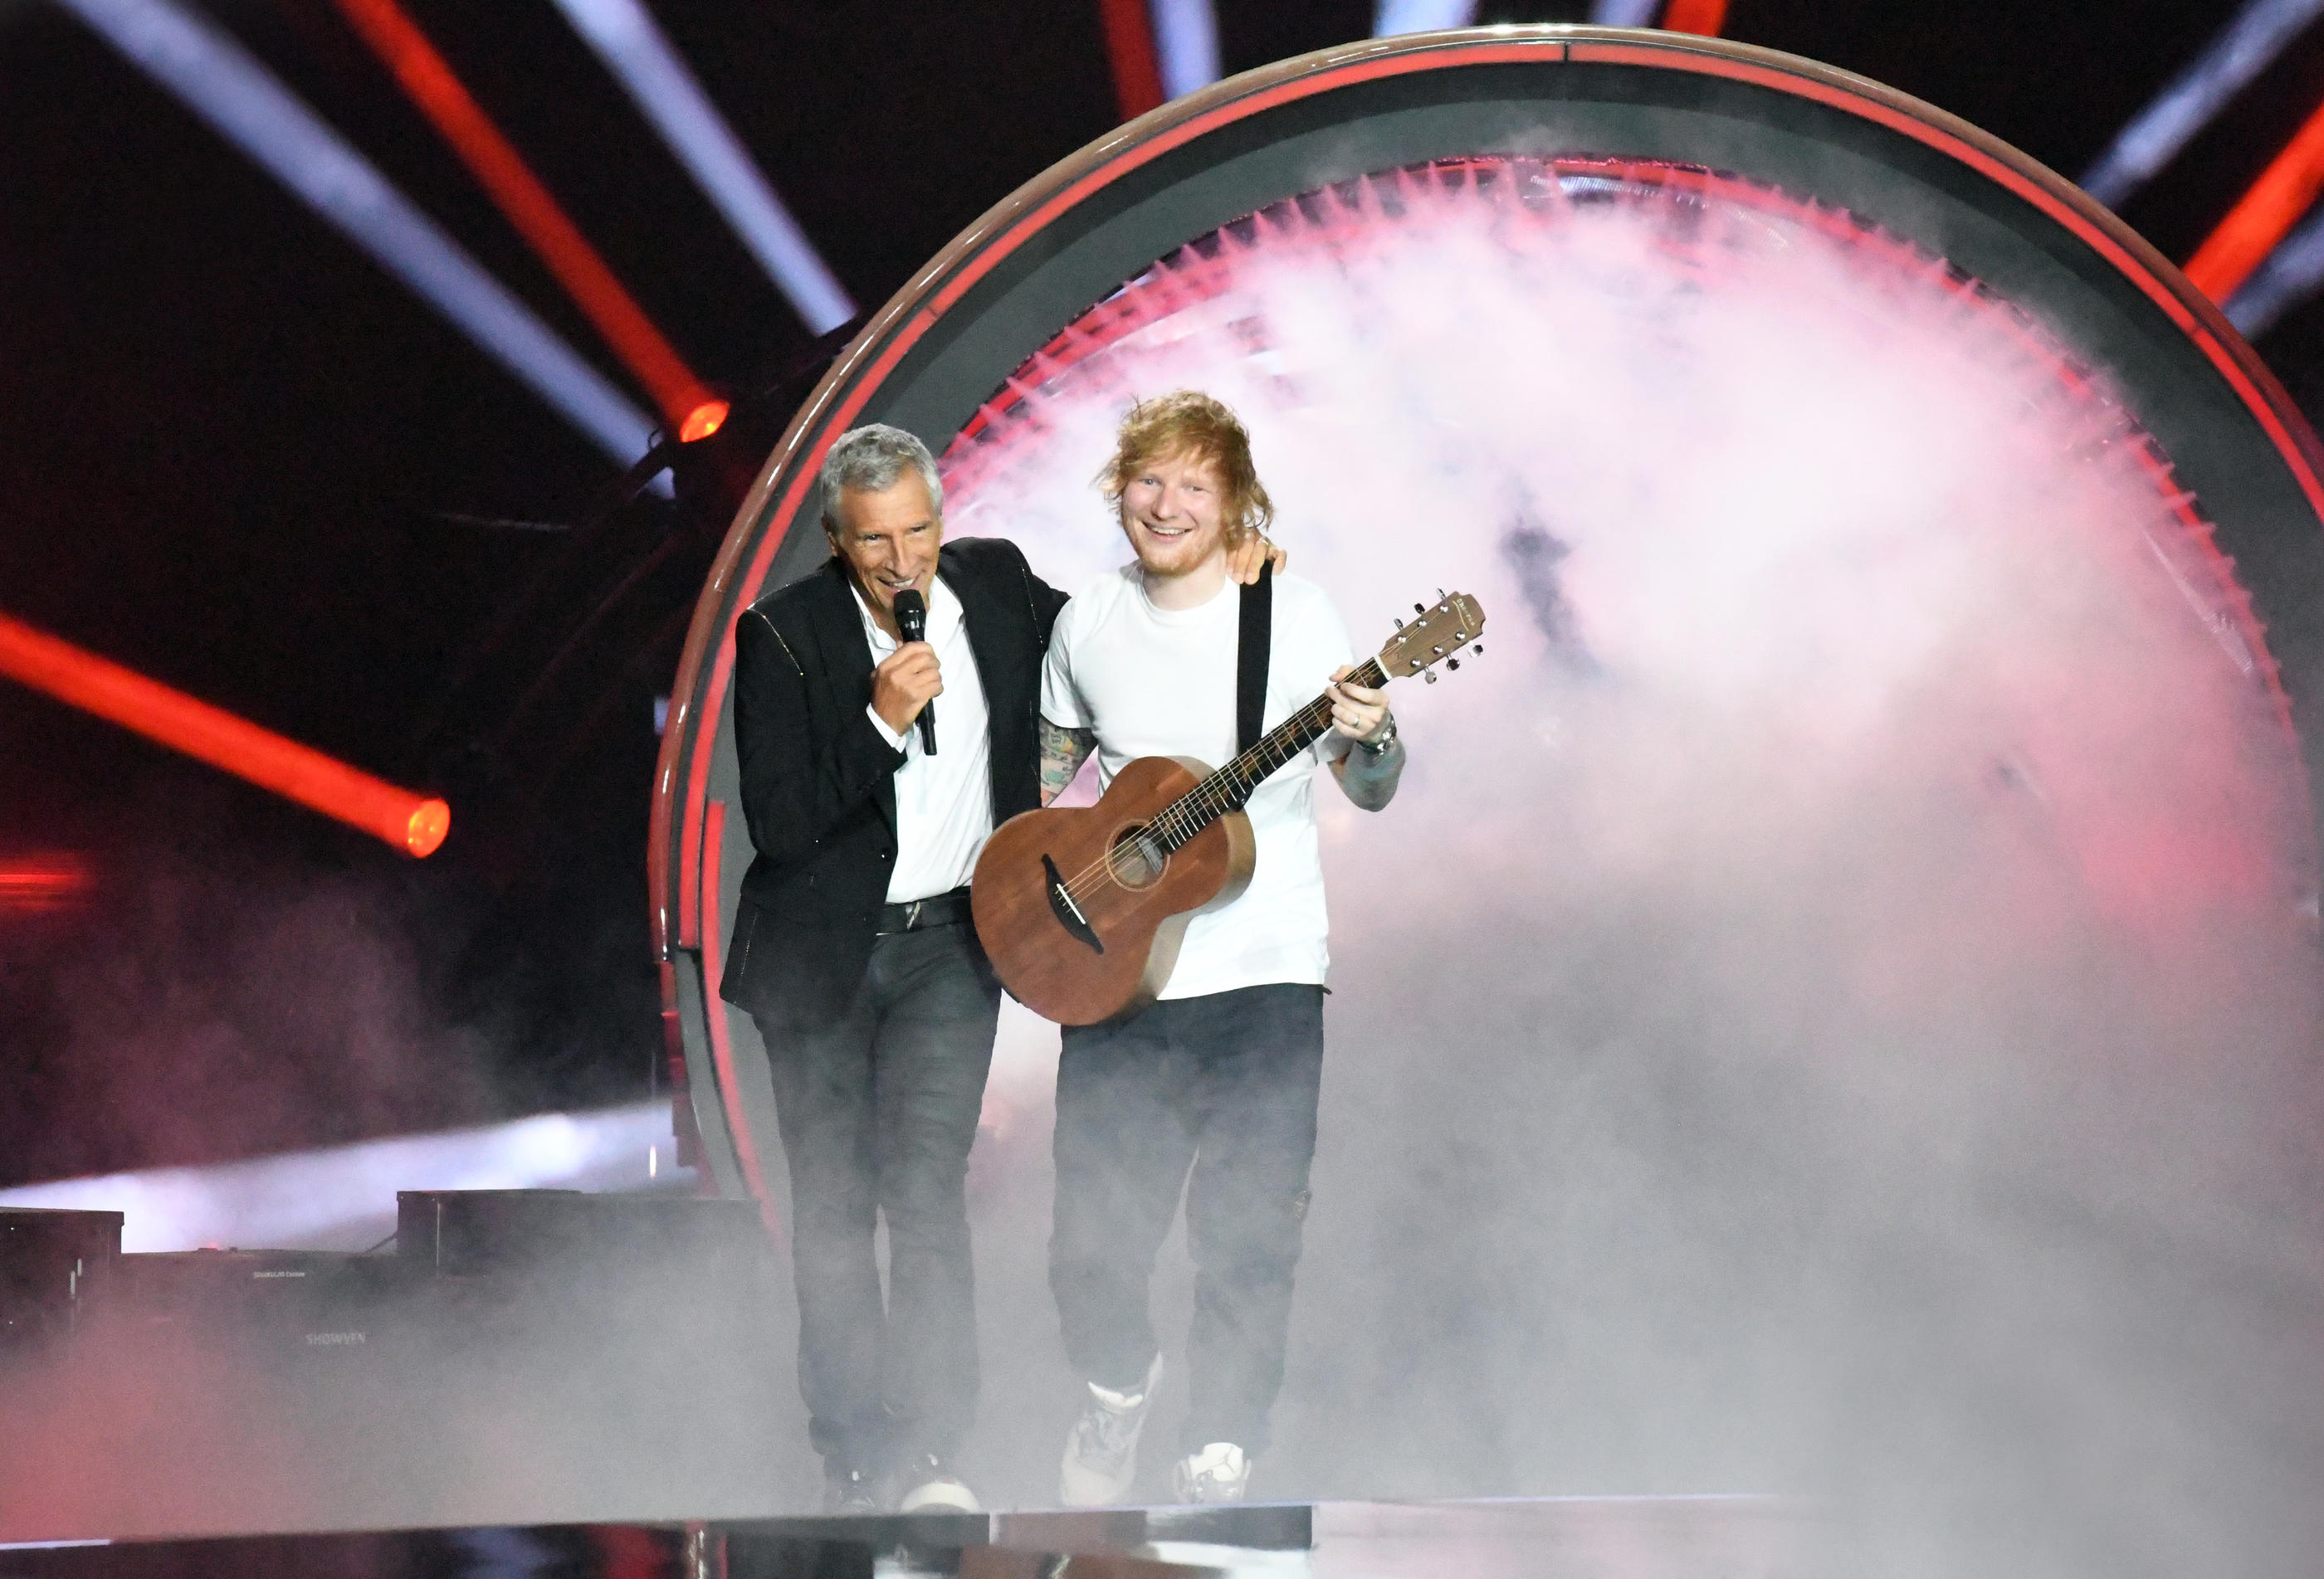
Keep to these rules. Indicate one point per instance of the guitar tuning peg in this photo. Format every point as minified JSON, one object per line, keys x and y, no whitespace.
{"x":1477,"y":651}
{"x":1429,"y":675}
{"x":1420,"y":608}
{"x":1398,"y":623}
{"x":1440,"y":594}
{"x":1452,"y":663}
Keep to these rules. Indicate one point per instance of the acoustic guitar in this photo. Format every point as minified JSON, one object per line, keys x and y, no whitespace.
{"x":1082,"y":909}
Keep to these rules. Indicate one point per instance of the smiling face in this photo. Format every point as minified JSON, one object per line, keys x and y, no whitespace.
{"x":1174,"y":512}
{"x":889,"y":538}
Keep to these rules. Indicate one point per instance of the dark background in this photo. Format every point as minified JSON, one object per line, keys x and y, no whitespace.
{"x":241,"y":459}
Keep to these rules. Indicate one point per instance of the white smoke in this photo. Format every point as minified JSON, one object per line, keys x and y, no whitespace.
{"x":1829,"y":1007}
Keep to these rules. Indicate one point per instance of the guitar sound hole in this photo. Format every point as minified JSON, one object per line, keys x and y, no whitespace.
{"x":1135,"y":860}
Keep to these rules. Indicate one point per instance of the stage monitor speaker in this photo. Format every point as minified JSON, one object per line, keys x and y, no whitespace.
{"x":312,"y":1306}
{"x":469,"y":1233}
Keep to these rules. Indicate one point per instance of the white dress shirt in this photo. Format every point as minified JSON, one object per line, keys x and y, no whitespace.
{"x":944,"y":803}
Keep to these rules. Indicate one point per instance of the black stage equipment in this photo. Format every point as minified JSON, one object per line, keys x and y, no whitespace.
{"x":50,"y":1263}
{"x":278,"y":1305}
{"x":542,"y":1349}
{"x":475,"y":1233}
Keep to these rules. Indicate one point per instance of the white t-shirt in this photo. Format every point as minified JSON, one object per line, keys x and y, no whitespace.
{"x":944,"y":803}
{"x":1161,"y":682}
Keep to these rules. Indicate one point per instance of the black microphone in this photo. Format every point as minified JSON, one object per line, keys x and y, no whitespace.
{"x":912,"y":619}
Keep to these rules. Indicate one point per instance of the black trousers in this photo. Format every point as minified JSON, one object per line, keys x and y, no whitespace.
{"x":877,"y":1111}
{"x":1226,"y":1086}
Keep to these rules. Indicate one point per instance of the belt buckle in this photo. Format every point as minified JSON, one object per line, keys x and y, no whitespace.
{"x":912,"y":916}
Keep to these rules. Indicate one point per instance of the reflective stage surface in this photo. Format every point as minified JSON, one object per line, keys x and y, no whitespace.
{"x":1619,"y":1538}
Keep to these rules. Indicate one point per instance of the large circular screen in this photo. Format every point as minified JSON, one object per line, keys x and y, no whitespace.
{"x":1838,"y":972}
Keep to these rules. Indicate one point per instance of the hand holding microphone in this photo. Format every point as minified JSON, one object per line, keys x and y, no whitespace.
{"x":912,"y":622}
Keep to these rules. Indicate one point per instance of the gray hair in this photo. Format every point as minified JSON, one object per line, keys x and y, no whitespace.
{"x":870,"y":459}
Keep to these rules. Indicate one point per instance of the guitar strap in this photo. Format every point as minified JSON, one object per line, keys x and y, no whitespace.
{"x":1257,"y":636}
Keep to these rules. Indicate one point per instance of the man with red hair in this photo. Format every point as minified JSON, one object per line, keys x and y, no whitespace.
{"x":1213,"y":1086}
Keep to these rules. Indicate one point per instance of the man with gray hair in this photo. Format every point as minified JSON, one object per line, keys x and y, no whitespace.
{"x":853,"y":950}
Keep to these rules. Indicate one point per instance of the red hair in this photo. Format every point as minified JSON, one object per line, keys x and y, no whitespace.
{"x":1189,"y":423}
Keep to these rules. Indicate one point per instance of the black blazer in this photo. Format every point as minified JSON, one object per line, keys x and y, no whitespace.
{"x":818,"y":780}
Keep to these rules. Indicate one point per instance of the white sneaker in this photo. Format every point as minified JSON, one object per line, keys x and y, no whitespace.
{"x":1218,"y":1473}
{"x":1101,"y":1449}
{"x":944,"y":1494}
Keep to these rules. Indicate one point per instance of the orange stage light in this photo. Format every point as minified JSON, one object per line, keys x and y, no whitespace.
{"x":1698,"y":17}
{"x":2263,"y":215}
{"x":412,"y":822}
{"x":495,"y":161}
{"x":702,"y":421}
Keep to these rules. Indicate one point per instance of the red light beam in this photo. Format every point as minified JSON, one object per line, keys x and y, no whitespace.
{"x":1129,"y":45}
{"x":2263,"y":215}
{"x":39,"y":883}
{"x":412,"y":822}
{"x":428,"y":79}
{"x":1697,"y":16}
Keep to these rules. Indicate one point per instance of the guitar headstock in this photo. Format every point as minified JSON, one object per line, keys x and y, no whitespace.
{"x":1456,"y":620}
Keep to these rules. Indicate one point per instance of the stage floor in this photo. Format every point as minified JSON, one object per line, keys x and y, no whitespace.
{"x":1615,"y":1537}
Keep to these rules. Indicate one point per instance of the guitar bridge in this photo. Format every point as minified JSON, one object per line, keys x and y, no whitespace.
{"x":1069,"y":914}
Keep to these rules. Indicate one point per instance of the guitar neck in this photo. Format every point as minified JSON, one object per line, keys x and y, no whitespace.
{"x":1231,"y":787}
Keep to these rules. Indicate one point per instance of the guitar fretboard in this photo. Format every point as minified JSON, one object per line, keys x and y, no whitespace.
{"x":1231,"y":787}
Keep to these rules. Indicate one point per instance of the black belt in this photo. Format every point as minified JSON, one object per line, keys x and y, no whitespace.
{"x":937,"y":910}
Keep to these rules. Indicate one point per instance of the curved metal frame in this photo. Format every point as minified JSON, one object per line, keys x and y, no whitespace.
{"x":2069,"y":228}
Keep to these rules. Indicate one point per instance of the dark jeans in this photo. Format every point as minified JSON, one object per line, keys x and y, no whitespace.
{"x":1226,"y":1084}
{"x":877,"y":1111}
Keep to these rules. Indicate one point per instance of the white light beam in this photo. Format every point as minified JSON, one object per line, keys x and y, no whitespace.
{"x":223,"y":84}
{"x":343,"y":1197}
{"x":2289,"y":276}
{"x":2241,"y":52}
{"x":1625,"y":13}
{"x":1186,"y":44}
{"x":640,"y":55}
{"x":1402,"y":16}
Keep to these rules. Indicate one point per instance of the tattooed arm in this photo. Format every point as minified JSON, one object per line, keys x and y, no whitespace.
{"x":1063,"y":752}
